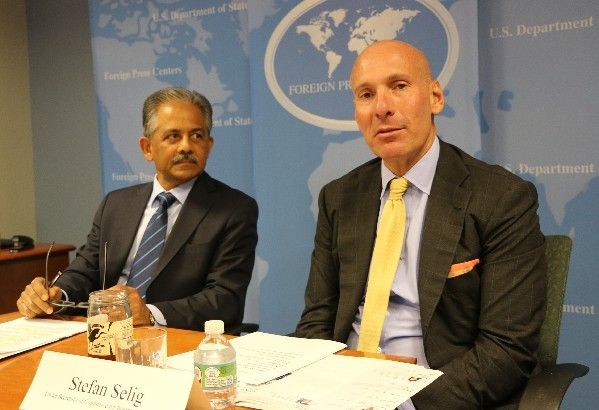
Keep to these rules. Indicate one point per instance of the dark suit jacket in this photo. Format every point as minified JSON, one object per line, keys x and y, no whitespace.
{"x":206,"y":264}
{"x":480,"y":328}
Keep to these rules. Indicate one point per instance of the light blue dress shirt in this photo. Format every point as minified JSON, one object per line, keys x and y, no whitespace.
{"x":181,"y":192}
{"x":402,"y":332}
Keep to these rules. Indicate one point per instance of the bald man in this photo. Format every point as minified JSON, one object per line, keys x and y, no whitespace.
{"x":468,"y":293}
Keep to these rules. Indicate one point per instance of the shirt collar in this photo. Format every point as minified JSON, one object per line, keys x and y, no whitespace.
{"x":420,"y":175}
{"x":180,"y":191}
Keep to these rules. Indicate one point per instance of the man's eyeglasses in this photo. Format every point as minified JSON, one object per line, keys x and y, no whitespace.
{"x":68,"y":303}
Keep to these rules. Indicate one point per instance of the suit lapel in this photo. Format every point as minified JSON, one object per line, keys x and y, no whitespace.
{"x":357,"y":224}
{"x":121,"y":239}
{"x":198,"y":203}
{"x":442,"y":230}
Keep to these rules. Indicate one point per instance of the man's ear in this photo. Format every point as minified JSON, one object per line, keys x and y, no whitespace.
{"x":437,"y":97}
{"x":146,"y":147}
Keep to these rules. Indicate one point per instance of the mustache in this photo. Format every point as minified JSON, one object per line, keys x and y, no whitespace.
{"x":186,"y":156}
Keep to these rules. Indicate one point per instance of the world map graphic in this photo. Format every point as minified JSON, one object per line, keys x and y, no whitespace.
{"x":378,"y":25}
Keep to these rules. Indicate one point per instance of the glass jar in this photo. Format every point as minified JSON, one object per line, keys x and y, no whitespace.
{"x":108,"y":315}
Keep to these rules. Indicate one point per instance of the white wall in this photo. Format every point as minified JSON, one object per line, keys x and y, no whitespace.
{"x":17,"y":212}
{"x":63,"y":118}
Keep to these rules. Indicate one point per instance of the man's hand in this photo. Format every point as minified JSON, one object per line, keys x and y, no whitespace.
{"x":34,"y":300}
{"x":139,"y":310}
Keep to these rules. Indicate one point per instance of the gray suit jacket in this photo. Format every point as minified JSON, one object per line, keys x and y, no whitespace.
{"x":480,"y":328}
{"x":206,"y":264}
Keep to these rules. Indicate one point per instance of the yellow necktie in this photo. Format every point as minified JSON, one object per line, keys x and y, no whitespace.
{"x":385,"y":257}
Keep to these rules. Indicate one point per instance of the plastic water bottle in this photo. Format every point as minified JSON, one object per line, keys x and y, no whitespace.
{"x":215,"y":366}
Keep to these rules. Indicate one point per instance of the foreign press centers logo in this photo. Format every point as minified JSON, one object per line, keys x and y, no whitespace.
{"x":310,"y":53}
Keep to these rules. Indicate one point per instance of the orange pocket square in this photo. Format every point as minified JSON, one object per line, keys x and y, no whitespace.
{"x":461,"y":268}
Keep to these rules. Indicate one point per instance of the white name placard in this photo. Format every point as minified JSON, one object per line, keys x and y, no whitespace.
{"x":65,"y":381}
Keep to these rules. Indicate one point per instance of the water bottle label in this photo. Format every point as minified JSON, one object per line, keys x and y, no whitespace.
{"x":216,"y":376}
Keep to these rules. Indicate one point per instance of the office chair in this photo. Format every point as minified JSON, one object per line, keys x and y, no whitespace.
{"x":546,"y":390}
{"x":242,"y":329}
{"x":248,"y":328}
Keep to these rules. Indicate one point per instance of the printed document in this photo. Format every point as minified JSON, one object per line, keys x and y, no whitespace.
{"x":282,"y":372}
{"x":340,"y":382}
{"x":22,"y":334}
{"x":262,"y":356}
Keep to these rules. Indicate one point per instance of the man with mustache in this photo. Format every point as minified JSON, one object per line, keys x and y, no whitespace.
{"x":200,"y":263}
{"x":465,"y":289}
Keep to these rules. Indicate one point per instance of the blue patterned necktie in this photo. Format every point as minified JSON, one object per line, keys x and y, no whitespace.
{"x":151,"y":246}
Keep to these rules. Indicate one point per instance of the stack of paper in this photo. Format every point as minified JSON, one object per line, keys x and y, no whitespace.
{"x":281,"y":372}
{"x":262,"y":356}
{"x":22,"y":334}
{"x":340,"y":382}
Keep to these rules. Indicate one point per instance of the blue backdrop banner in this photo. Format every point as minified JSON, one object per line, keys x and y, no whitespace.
{"x":520,"y":92}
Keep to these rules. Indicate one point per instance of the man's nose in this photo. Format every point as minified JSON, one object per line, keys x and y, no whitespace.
{"x":383,"y":104}
{"x":185,"y":144}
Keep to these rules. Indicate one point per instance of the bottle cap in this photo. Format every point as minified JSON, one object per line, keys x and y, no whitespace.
{"x":214,"y":327}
